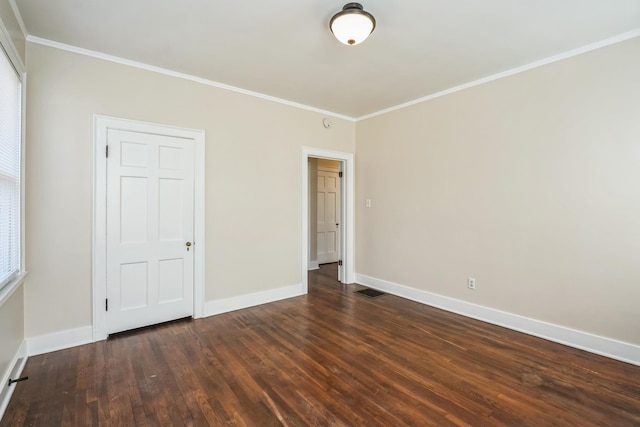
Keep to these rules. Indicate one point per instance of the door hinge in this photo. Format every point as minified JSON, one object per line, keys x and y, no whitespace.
{"x":340,"y":174}
{"x":339,"y":262}
{"x":106,"y":304}
{"x":106,"y":151}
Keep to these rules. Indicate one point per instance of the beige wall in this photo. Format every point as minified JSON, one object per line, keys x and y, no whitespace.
{"x":11,"y":329}
{"x":530,"y":184}
{"x":253,"y":210}
{"x":13,"y":28}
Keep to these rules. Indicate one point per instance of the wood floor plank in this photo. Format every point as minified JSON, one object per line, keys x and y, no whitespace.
{"x":329,"y":358}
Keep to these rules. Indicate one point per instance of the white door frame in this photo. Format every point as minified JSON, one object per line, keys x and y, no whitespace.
{"x":101,"y":125}
{"x":347,"y":217}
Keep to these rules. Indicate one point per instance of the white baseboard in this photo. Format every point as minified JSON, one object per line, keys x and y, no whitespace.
{"x":59,"y":340}
{"x":16,"y":367}
{"x":313,"y":265}
{"x":603,"y":346}
{"x":244,"y":301}
{"x":84,"y":335}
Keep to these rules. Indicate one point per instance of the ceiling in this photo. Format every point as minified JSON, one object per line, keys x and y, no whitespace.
{"x":284,"y":48}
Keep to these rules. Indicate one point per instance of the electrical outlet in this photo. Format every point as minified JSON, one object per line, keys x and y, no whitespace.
{"x":471,"y":283}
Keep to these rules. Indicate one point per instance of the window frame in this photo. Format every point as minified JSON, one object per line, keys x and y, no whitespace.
{"x":8,"y":49}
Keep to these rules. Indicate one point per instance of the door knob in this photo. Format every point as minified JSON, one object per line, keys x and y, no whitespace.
{"x":188,"y":245}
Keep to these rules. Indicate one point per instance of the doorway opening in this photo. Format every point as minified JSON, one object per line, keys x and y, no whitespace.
{"x":327,"y":213}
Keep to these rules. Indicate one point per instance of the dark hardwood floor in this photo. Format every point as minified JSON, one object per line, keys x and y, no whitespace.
{"x":330,"y":358}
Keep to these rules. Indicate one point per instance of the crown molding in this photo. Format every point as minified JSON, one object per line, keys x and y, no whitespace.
{"x":6,"y":45}
{"x":18,"y":16}
{"x":549,"y":60}
{"x":184,"y":76}
{"x":545,"y":61}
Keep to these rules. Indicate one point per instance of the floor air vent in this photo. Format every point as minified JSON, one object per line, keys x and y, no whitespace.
{"x":371,"y":293}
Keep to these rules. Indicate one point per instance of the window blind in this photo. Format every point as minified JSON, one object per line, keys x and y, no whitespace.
{"x":10,"y":139}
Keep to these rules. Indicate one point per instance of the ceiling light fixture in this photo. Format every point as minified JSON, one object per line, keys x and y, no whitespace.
{"x":352,"y":25}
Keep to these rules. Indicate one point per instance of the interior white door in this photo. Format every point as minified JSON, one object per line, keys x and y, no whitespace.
{"x":328,"y":216}
{"x":150,"y":206}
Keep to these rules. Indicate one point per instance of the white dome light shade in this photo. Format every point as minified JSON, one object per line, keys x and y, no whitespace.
{"x":352,"y":25}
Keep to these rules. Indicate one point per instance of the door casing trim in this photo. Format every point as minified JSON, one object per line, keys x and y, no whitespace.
{"x":347,"y":238}
{"x":101,"y":125}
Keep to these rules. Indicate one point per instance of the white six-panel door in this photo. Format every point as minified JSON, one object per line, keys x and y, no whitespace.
{"x":150,"y":207}
{"x":328,"y":216}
